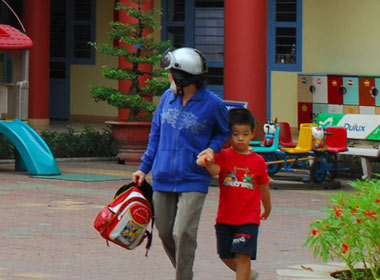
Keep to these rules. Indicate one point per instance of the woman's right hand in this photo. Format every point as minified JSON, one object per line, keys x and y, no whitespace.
{"x":138,"y":177}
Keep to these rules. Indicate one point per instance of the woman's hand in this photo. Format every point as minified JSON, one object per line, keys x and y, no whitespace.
{"x":205,"y":157}
{"x":138,"y":177}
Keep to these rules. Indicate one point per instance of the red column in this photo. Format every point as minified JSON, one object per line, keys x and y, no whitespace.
{"x":245,"y":54}
{"x":124,"y":18}
{"x":37,"y":24}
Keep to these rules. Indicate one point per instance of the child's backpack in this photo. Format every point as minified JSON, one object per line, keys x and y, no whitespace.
{"x":125,"y":220}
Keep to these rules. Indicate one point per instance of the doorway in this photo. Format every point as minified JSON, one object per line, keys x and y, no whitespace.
{"x":72,"y":26}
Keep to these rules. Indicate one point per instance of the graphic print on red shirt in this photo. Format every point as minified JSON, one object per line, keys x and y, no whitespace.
{"x":239,"y":178}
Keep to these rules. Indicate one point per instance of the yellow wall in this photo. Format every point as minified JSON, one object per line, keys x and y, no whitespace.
{"x":284,"y":106}
{"x":83,"y":76}
{"x":339,"y":36}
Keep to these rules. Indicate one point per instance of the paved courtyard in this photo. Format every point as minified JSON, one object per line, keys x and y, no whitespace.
{"x":47,"y":229}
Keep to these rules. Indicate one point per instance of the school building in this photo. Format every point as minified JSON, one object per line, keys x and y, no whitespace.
{"x":289,"y":59}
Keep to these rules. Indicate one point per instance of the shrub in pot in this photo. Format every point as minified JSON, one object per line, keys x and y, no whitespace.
{"x":139,"y":54}
{"x":351,"y":231}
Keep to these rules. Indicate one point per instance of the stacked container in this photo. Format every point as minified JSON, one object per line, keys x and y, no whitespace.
{"x":336,"y":94}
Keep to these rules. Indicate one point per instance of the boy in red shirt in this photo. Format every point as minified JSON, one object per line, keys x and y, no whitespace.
{"x":243,"y":181}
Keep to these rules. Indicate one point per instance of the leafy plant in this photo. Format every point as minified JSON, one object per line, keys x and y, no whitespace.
{"x":135,"y":45}
{"x":351,"y":230}
{"x":71,"y":143}
{"x":87,"y":143}
{"x":7,"y":150}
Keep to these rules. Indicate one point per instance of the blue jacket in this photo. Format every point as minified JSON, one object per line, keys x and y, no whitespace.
{"x":178,"y":135}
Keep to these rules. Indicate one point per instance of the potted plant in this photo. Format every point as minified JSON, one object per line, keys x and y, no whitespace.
{"x":351,"y":232}
{"x":139,"y":79}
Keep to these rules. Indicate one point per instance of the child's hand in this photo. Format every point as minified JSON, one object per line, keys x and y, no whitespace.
{"x":265,"y":215}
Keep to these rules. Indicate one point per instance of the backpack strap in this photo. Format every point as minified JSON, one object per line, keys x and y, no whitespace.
{"x":150,"y":237}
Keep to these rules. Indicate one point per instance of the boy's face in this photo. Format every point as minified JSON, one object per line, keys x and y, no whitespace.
{"x":241,"y":135}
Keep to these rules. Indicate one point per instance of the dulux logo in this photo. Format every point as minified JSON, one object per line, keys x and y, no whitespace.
{"x":354,"y":127}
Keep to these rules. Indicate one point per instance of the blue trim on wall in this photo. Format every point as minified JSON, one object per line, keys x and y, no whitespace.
{"x":188,"y":23}
{"x":269,"y":97}
{"x":271,"y":65}
{"x":272,"y":24}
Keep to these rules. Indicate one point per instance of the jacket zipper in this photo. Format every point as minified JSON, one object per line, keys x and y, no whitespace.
{"x":175,"y":161}
{"x":176,"y":148}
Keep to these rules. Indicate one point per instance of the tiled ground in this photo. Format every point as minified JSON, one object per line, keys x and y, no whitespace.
{"x":47,"y":230}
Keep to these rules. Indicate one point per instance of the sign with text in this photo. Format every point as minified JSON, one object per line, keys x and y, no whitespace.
{"x":358,"y":126}
{"x":235,"y":104}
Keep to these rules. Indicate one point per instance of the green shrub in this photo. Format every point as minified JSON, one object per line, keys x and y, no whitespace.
{"x":71,"y":143}
{"x":7,"y":150}
{"x":351,"y":231}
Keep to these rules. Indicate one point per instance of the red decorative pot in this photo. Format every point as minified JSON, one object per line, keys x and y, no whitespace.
{"x":132,"y":139}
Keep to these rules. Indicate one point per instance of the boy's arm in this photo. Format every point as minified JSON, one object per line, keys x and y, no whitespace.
{"x":213,"y":169}
{"x":265,"y":198}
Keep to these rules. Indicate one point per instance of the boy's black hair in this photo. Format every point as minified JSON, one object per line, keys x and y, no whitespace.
{"x":241,"y":116}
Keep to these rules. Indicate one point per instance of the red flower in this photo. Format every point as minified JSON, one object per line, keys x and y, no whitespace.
{"x":314,"y":232}
{"x":370,"y":213}
{"x":353,"y":211}
{"x":345,"y":248}
{"x":358,"y":221}
{"x":377,"y":200}
{"x":338,"y":214}
{"x":337,"y":208}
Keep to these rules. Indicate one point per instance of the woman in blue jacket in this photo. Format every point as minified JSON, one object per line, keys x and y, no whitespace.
{"x":190,"y":120}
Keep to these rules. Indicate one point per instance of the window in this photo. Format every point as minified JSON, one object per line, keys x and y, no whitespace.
{"x":285,"y":35}
{"x":5,"y":68}
{"x":83,"y":31}
{"x":174,"y":21}
{"x":72,"y":27}
{"x":6,"y":15}
{"x":198,"y":24}
{"x":209,"y":39}
{"x":58,"y":29}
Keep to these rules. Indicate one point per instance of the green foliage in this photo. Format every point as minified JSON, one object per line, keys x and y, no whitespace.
{"x":87,"y":143}
{"x":7,"y":150}
{"x":70,"y":143}
{"x":116,"y":98}
{"x":351,"y":231}
{"x":136,"y":46}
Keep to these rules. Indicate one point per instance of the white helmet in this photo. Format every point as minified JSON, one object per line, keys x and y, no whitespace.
{"x":188,"y":60}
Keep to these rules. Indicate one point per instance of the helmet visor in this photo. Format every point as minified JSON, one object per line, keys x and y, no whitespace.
{"x":167,"y":60}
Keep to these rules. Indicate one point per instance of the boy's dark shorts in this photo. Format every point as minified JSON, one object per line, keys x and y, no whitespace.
{"x":232,"y":239}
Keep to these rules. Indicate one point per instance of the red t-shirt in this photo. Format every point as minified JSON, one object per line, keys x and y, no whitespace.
{"x":239,"y":178}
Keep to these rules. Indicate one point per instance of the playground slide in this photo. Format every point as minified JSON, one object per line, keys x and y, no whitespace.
{"x":33,"y":153}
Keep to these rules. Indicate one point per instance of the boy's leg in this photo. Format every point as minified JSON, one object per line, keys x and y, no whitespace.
{"x":231,"y":263}
{"x":185,"y":232}
{"x":243,"y":267}
{"x":237,"y":246}
{"x":165,"y":209}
